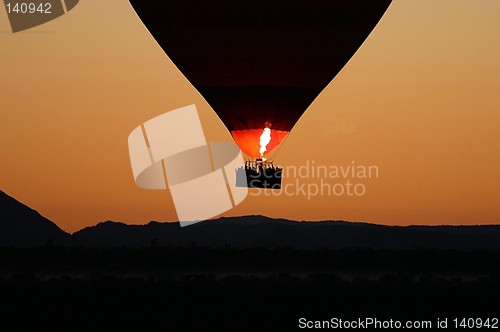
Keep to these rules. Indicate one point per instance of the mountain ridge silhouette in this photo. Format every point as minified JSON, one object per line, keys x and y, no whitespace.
{"x":260,"y":231}
{"x":22,"y":226}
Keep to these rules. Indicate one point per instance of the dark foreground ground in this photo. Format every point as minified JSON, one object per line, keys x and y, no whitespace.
{"x":201,"y":289}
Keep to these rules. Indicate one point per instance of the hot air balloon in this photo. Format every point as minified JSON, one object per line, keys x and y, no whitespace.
{"x":260,"y":64}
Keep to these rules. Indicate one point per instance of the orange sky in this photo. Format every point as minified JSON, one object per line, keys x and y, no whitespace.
{"x":420,"y":100}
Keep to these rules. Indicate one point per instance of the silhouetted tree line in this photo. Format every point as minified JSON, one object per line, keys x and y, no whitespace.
{"x":50,"y":258}
{"x":227,"y":289}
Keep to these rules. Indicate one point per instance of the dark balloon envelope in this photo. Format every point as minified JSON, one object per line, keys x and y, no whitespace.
{"x":260,"y":63}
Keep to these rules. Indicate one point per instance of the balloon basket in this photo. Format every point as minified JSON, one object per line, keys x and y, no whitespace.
{"x":260,"y":174}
